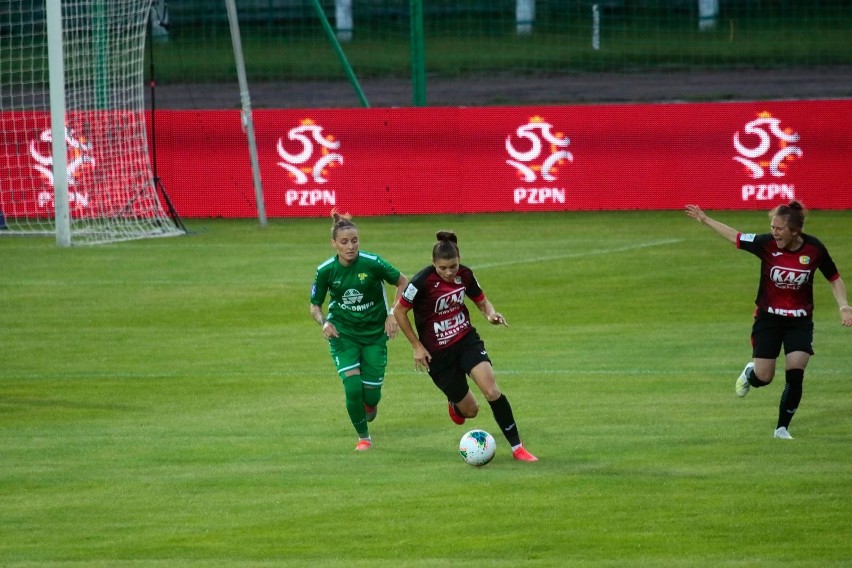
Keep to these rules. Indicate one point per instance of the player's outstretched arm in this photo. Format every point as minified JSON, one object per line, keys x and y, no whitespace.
{"x":727,"y":232}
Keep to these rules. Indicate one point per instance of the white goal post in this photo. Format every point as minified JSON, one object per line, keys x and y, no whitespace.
{"x":72,"y":101}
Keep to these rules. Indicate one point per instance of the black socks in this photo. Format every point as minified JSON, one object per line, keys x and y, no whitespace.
{"x":791,"y":397}
{"x":502,"y":411}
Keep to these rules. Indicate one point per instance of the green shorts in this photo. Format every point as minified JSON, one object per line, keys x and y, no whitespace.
{"x":369,"y":357}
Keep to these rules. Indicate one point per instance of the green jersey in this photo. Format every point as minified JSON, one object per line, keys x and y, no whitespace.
{"x":358,"y":305}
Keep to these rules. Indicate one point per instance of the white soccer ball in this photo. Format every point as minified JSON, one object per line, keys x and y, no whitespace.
{"x":477,"y":447}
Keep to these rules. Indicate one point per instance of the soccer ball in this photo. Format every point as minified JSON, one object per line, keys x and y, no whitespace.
{"x":477,"y":447}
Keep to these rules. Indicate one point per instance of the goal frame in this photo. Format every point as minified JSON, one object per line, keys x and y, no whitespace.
{"x":76,"y":144}
{"x":56,"y":77}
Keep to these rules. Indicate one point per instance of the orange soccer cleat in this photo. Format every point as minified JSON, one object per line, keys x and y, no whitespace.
{"x":454,"y":415}
{"x":521,"y":454}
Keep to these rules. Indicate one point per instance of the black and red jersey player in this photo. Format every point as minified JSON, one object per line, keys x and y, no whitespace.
{"x":789,"y":262}
{"x":447,"y":345}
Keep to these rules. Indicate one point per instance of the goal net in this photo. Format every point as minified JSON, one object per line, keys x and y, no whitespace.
{"x":111,"y":191}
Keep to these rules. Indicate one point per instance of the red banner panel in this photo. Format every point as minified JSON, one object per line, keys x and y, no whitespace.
{"x":107,"y":165}
{"x":750,"y":155}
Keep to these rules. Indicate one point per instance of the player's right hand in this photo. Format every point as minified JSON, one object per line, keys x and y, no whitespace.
{"x":329,"y":331}
{"x":421,"y":359}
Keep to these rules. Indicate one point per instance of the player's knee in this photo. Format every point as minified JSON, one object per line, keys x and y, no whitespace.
{"x":765,"y":379}
{"x":352,"y":385}
{"x":492,"y":392}
{"x":763,"y":374}
{"x":468,"y":408}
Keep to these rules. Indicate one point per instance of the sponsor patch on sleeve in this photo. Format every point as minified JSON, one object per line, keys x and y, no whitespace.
{"x":410,"y":293}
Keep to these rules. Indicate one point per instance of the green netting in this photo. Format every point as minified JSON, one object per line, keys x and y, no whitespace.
{"x":472,"y":40}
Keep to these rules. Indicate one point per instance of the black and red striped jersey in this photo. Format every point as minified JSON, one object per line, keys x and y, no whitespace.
{"x":786,"y":277}
{"x":440,"y":315}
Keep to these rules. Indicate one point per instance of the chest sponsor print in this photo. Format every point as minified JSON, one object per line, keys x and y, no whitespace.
{"x":449,"y":301}
{"x":789,"y":278}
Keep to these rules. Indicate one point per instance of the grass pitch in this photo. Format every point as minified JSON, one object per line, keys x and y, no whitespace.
{"x":171,"y":403}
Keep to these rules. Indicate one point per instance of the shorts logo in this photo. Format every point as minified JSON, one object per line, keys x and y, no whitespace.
{"x":314,"y":157}
{"x":765,"y":147}
{"x":532,"y":160}
{"x":80,"y":161}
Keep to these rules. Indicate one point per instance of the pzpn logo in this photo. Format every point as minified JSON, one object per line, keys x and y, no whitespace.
{"x":80,"y":160}
{"x":765,"y":147}
{"x":537,"y":153}
{"x":313,"y":157}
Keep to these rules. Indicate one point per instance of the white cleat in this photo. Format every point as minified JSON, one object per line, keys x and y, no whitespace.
{"x":742,"y":385}
{"x":783,"y":433}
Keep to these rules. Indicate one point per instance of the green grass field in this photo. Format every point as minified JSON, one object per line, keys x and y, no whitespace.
{"x":171,"y":403}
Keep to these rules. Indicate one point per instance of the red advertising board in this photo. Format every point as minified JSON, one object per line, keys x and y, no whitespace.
{"x":744,"y":155}
{"x":107,"y":168}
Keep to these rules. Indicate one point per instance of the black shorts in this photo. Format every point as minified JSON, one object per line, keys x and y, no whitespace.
{"x":770,"y":331}
{"x":449,"y":367}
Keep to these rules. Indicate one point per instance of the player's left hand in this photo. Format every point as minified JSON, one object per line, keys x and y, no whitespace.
{"x":696,"y":213}
{"x":498,"y":319}
{"x":846,"y":316}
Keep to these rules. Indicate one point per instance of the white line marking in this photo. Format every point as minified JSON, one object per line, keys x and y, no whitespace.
{"x":311,"y":372}
{"x":579,"y":254}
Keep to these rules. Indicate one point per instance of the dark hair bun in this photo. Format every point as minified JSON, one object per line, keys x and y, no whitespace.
{"x":447,"y":236}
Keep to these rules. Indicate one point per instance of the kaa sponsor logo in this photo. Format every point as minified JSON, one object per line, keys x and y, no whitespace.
{"x":80,"y":160}
{"x":449,"y":301}
{"x":314,"y":155}
{"x":789,"y":278}
{"x":764,"y":147}
{"x":537,"y":153}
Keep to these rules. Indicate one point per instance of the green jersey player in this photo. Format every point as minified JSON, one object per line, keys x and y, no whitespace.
{"x":358,"y":324}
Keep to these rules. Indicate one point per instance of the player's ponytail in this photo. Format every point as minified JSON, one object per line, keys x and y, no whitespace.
{"x":340,"y":221}
{"x":447,"y":246}
{"x":794,"y":212}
